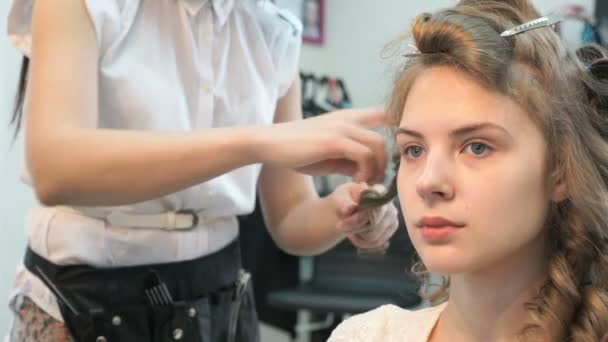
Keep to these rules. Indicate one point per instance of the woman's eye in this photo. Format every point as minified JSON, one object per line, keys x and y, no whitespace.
{"x":478,"y":149}
{"x":413,"y":152}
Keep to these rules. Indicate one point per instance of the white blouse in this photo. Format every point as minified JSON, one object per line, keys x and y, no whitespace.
{"x":169,"y":65}
{"x":389,"y":323}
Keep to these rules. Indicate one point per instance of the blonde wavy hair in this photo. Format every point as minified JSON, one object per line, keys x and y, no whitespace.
{"x":566,"y":95}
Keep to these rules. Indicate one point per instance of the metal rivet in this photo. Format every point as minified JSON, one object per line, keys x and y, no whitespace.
{"x":116,"y":320}
{"x":178,"y":334}
{"x":101,"y":339}
{"x":192,"y":312}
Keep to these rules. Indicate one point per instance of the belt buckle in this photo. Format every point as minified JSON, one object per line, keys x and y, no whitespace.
{"x":193,"y":214}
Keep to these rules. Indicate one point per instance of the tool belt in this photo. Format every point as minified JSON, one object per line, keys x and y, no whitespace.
{"x":142,"y":303}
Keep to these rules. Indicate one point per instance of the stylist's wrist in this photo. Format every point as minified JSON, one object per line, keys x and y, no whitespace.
{"x":259,"y":143}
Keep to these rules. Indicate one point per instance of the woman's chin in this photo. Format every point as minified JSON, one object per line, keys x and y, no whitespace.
{"x":446,"y":269}
{"x":445,"y":262}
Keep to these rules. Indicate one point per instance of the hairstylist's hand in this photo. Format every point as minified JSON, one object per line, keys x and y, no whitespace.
{"x":341,"y":142}
{"x":369,"y":229}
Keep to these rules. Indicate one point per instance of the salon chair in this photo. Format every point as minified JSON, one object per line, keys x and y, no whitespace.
{"x":344,"y":283}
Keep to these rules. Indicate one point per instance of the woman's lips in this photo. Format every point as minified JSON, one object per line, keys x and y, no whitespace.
{"x":437,"y":229}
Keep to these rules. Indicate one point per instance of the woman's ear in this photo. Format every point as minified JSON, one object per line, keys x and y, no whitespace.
{"x":559,"y":188}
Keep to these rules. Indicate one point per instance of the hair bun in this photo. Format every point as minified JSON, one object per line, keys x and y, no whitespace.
{"x":599,"y":70}
{"x":418,"y":25}
{"x":595,"y":61}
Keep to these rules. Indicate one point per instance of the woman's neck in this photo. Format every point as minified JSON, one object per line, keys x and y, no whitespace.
{"x":489,"y":305}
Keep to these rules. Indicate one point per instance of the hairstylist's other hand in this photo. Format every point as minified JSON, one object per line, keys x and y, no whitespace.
{"x":369,"y":229}
{"x":341,"y":142}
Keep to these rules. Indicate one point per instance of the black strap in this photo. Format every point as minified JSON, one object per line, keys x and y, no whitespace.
{"x":185,"y":280}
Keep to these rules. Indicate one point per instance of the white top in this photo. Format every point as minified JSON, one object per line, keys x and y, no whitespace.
{"x":169,"y":65}
{"x":389,"y":323}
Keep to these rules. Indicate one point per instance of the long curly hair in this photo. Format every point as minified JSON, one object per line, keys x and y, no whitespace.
{"x":566,"y":95}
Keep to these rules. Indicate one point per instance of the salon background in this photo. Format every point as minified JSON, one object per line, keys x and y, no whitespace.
{"x":355,"y":33}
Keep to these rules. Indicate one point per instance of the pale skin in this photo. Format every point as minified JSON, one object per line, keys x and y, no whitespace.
{"x":61,"y":127}
{"x":476,"y":158}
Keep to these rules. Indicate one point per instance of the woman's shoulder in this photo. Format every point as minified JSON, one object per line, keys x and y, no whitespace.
{"x":388,"y":323}
{"x":109,"y":19}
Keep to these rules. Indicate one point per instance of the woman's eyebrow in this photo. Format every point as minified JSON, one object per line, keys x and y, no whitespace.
{"x":459,"y":132}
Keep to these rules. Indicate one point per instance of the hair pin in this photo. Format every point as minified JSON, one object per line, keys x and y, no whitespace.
{"x":547,"y":21}
{"x":413,"y":51}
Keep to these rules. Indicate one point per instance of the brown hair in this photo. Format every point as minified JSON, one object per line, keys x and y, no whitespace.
{"x":16,"y":119}
{"x":566,"y":95}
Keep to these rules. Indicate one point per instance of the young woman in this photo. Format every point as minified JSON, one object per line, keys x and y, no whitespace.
{"x":148,"y":127}
{"x":503,"y":181}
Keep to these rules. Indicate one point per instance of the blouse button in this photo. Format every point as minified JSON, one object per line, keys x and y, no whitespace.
{"x":207,"y":88}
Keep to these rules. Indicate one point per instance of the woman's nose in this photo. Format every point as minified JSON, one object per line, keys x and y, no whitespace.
{"x":435,"y":181}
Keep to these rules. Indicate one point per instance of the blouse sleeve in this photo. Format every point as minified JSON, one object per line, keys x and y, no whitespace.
{"x":110,"y":19}
{"x":283,"y":32}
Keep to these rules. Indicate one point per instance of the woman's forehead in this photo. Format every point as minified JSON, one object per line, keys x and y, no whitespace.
{"x":446,"y":96}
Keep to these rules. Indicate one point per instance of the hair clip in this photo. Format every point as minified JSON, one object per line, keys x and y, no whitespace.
{"x":547,"y":21}
{"x":413,"y":51}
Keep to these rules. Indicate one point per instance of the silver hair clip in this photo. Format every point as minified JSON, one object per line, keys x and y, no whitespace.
{"x":413,"y":51}
{"x":547,"y":21}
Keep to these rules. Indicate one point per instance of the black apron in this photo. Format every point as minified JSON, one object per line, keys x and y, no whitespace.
{"x":207,"y":299}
